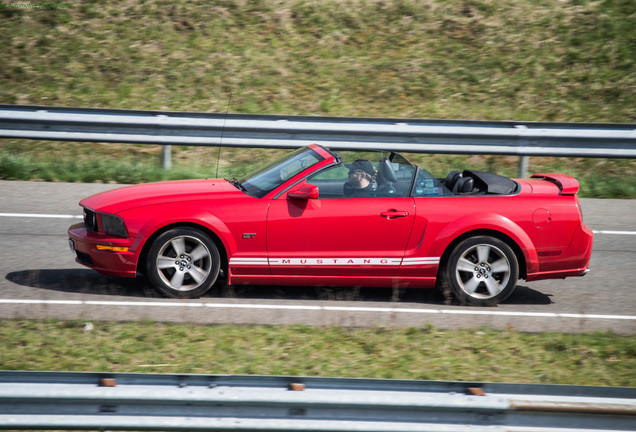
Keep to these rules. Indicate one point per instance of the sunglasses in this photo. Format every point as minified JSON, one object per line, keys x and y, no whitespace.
{"x":357,"y":172}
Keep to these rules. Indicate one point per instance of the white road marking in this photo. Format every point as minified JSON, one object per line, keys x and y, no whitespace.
{"x":614,"y":232}
{"x":35,"y":215}
{"x":301,"y":307}
{"x":319,"y":308}
{"x":63,"y":216}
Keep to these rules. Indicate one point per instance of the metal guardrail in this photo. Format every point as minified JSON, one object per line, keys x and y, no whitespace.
{"x":279,"y":131}
{"x":58,"y":400}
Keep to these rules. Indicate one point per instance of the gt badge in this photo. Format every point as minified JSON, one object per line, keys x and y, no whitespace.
{"x":249,"y":235}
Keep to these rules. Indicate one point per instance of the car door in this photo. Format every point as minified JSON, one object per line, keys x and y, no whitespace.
{"x":323,"y":233}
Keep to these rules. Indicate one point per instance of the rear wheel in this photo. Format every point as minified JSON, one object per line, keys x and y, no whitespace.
{"x":481,"y":271}
{"x":183,"y":263}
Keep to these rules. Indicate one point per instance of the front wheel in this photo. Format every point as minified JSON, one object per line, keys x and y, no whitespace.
{"x":183,"y":263}
{"x":481,"y":271}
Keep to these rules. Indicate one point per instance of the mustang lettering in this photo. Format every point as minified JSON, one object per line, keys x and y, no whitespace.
{"x":363,"y":218}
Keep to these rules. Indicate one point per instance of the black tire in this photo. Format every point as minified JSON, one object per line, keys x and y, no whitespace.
{"x":183,"y":263}
{"x":481,"y":271}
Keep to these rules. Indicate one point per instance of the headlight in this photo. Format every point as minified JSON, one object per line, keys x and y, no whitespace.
{"x":90,"y":220}
{"x":113,"y":225}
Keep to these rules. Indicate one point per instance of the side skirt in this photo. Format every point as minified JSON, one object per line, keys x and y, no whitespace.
{"x":369,"y":281}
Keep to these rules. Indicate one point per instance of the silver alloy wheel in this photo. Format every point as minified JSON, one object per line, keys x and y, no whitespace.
{"x":184,"y":263}
{"x":483,"y":271}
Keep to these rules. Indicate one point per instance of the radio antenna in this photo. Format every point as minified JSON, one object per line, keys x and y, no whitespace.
{"x":218,"y":155}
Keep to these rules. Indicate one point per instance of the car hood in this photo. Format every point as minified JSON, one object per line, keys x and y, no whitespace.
{"x":170,"y":192}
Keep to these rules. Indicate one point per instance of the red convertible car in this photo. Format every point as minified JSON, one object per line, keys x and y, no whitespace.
{"x":316,"y":217}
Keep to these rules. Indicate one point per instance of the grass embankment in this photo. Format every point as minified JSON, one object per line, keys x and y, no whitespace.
{"x":409,"y":353}
{"x":114,"y":163}
{"x":456,"y":59}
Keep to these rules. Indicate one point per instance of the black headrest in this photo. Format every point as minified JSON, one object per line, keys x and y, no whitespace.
{"x":452,"y":178}
{"x":464,"y":185}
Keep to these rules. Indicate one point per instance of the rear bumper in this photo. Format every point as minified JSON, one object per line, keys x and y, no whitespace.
{"x":587,"y":270}
{"x":573,"y":260}
{"x":560,"y":274}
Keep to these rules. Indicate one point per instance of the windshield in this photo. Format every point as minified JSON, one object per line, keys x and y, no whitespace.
{"x":265,"y":179}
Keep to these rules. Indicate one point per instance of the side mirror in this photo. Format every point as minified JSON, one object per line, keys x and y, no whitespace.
{"x":305,"y":192}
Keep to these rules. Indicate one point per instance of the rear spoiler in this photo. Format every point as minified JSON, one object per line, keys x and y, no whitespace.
{"x":567,"y":184}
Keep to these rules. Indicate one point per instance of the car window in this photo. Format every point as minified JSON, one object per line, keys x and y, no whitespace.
{"x":365,"y":175}
{"x":265,"y":179}
{"x":427,"y":185}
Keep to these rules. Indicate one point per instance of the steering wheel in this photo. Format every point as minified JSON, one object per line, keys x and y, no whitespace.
{"x":386,"y":170}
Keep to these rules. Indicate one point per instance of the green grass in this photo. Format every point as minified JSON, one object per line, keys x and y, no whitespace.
{"x":120,"y":163}
{"x":466,"y":59}
{"x":569,"y":60}
{"x":403,"y":353}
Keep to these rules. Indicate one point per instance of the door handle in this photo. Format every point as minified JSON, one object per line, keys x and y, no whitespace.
{"x":392,"y":214}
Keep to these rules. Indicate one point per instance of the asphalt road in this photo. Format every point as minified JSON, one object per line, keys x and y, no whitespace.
{"x":40,"y":279}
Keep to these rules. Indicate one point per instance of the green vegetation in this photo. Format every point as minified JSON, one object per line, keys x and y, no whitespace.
{"x":570,"y":60}
{"x":406,"y":353}
{"x":465,"y":59}
{"x":114,"y":163}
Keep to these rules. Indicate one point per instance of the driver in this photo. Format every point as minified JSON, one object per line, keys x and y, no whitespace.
{"x":361,"y":180}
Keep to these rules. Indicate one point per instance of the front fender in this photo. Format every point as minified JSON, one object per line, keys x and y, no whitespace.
{"x":143,"y":227}
{"x":487,"y":222}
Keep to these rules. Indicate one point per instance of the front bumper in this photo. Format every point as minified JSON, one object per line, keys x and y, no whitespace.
{"x":84,"y":243}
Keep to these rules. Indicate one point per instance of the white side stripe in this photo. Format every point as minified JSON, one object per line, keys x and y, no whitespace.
{"x":334,"y":261}
{"x":248,"y":261}
{"x":420,"y":261}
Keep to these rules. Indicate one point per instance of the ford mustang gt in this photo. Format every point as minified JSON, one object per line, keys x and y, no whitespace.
{"x":317,"y":217}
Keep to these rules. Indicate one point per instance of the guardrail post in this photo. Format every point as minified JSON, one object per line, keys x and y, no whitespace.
{"x":523,"y":166}
{"x":523,"y":160}
{"x":167,"y":157}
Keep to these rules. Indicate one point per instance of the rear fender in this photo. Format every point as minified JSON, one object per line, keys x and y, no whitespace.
{"x":480,"y":223}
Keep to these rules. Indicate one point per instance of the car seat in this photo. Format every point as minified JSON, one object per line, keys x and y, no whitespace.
{"x":451,"y":179}
{"x":464,"y":185}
